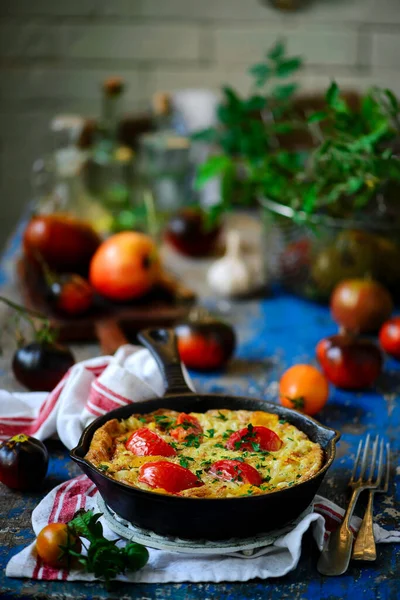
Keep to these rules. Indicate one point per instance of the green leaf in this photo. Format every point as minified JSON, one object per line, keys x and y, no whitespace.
{"x":284,"y":92}
{"x":231,"y":96}
{"x":261,"y":72}
{"x":332,"y":95}
{"x":283,"y":127}
{"x":277,"y":51}
{"x":354,"y":184}
{"x":393,"y":101}
{"x":310,"y":198}
{"x":213,"y":167}
{"x":209,"y":135}
{"x":317,"y":117}
{"x":256,"y":103}
{"x":85,"y":524}
{"x":288,"y":67}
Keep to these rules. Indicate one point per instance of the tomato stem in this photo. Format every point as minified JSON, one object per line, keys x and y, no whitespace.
{"x":298,"y":403}
{"x":44,"y":333}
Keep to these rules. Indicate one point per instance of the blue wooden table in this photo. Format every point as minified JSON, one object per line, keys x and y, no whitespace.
{"x":274,"y":333}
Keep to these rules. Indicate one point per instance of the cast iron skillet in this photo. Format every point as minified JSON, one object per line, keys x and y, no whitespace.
{"x":203,"y":518}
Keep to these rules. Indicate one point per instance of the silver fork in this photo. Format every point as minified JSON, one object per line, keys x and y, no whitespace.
{"x":364,"y":547}
{"x":335,"y":556}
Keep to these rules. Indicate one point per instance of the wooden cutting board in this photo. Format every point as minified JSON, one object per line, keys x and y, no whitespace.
{"x":109,"y":322}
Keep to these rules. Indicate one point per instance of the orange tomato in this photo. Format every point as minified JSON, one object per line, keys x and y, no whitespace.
{"x":125,"y":266}
{"x":304,"y":388}
{"x":50,"y":539}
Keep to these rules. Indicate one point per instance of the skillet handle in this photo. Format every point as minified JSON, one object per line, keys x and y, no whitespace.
{"x":162,"y":345}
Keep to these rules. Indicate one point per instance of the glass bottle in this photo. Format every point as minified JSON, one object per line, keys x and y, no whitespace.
{"x":109,"y":171}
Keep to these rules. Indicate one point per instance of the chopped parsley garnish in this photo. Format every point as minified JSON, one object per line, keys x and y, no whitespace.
{"x":206,"y":463}
{"x":291,"y":439}
{"x":219,"y":445}
{"x":210,"y":433}
{"x":282,"y":421}
{"x":192,"y":441}
{"x":221,"y":416}
{"x":174,"y":445}
{"x":103,"y":467}
{"x":249,"y":491}
{"x":267,"y":478}
{"x":255,"y":446}
{"x":218,"y":472}
{"x":163,"y":421}
{"x":298,"y":475}
{"x":199,"y":472}
{"x":142,"y":419}
{"x":185,"y":425}
{"x":184,"y":461}
{"x":239,"y":458}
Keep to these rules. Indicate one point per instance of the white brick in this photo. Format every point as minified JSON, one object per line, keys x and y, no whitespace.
{"x":38,"y":83}
{"x":236,"y":10}
{"x":354,"y":11}
{"x":134,"y":42}
{"x":319,"y":46}
{"x":70,"y":8}
{"x":29,"y":39}
{"x":386,"y":49}
{"x":174,"y":79}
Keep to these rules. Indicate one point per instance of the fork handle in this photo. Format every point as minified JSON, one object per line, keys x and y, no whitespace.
{"x":335,"y":556}
{"x":364,"y":546}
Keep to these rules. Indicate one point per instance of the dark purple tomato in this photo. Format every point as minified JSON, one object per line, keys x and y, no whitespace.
{"x":187,"y":231}
{"x":23,"y":462}
{"x":40,"y":366}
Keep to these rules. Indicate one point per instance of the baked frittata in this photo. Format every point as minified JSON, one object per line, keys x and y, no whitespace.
{"x":217,"y":454}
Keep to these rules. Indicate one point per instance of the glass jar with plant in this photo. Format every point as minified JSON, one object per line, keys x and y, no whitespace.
{"x":337,"y":216}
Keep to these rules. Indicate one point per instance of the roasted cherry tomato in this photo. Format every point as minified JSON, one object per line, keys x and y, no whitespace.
{"x":145,"y":442}
{"x":50,"y":540}
{"x":304,"y":388}
{"x":254,"y":439}
{"x":168,"y":476}
{"x":71,"y":294}
{"x":235,"y":470}
{"x":348,"y":362}
{"x":389,"y":337}
{"x":186,"y":425}
{"x":40,"y":366}
{"x":23,"y":462}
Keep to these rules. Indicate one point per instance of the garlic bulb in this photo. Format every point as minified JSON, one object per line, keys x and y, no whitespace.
{"x":231,"y":275}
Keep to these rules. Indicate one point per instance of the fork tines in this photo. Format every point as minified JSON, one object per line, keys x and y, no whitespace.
{"x":371,"y":455}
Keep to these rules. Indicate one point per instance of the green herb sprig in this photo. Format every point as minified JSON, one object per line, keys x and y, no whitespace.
{"x":104,"y":558}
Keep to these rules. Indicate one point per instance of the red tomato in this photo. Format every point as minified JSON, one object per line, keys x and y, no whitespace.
{"x":188,"y":425}
{"x":144,"y":442}
{"x":253,"y":439}
{"x":389,"y":337}
{"x":235,"y":470}
{"x":168,"y":476}
{"x":125,"y":266}
{"x":50,"y":539}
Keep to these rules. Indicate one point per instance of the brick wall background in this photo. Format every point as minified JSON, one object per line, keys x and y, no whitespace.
{"x":54,"y":53}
